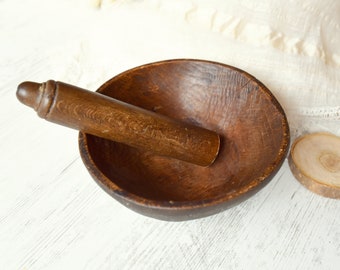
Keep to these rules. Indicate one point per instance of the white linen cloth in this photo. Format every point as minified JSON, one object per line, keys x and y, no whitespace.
{"x":293,"y":47}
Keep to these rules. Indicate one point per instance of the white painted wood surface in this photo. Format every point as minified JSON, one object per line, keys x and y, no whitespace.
{"x":54,"y":216}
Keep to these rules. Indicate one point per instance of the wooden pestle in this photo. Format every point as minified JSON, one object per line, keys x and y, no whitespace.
{"x":105,"y":117}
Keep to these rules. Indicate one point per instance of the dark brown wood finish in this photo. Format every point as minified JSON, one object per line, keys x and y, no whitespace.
{"x":112,"y":119}
{"x":251,"y":123}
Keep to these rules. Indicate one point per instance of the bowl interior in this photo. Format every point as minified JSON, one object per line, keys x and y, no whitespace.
{"x":251,"y":123}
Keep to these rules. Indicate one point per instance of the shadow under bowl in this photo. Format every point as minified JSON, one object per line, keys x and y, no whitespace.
{"x":251,"y":123}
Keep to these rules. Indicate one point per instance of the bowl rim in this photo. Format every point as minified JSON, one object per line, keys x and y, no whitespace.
{"x":130,"y":198}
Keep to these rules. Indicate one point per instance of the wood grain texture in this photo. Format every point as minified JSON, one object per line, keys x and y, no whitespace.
{"x":54,"y":216}
{"x":100,"y":115}
{"x":314,"y":160}
{"x":251,"y":123}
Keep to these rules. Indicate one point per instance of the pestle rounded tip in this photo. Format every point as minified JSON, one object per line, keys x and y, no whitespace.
{"x":28,"y":93}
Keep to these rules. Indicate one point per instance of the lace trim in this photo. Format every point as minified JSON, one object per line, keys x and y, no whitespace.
{"x":330,"y":113}
{"x":307,"y":120}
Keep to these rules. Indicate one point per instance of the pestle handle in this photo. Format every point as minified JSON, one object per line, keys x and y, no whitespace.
{"x":105,"y":117}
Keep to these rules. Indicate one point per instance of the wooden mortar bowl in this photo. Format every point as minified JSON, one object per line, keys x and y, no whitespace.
{"x":252,"y":125}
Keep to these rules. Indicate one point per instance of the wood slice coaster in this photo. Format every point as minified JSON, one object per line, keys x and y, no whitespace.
{"x":315,"y":162}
